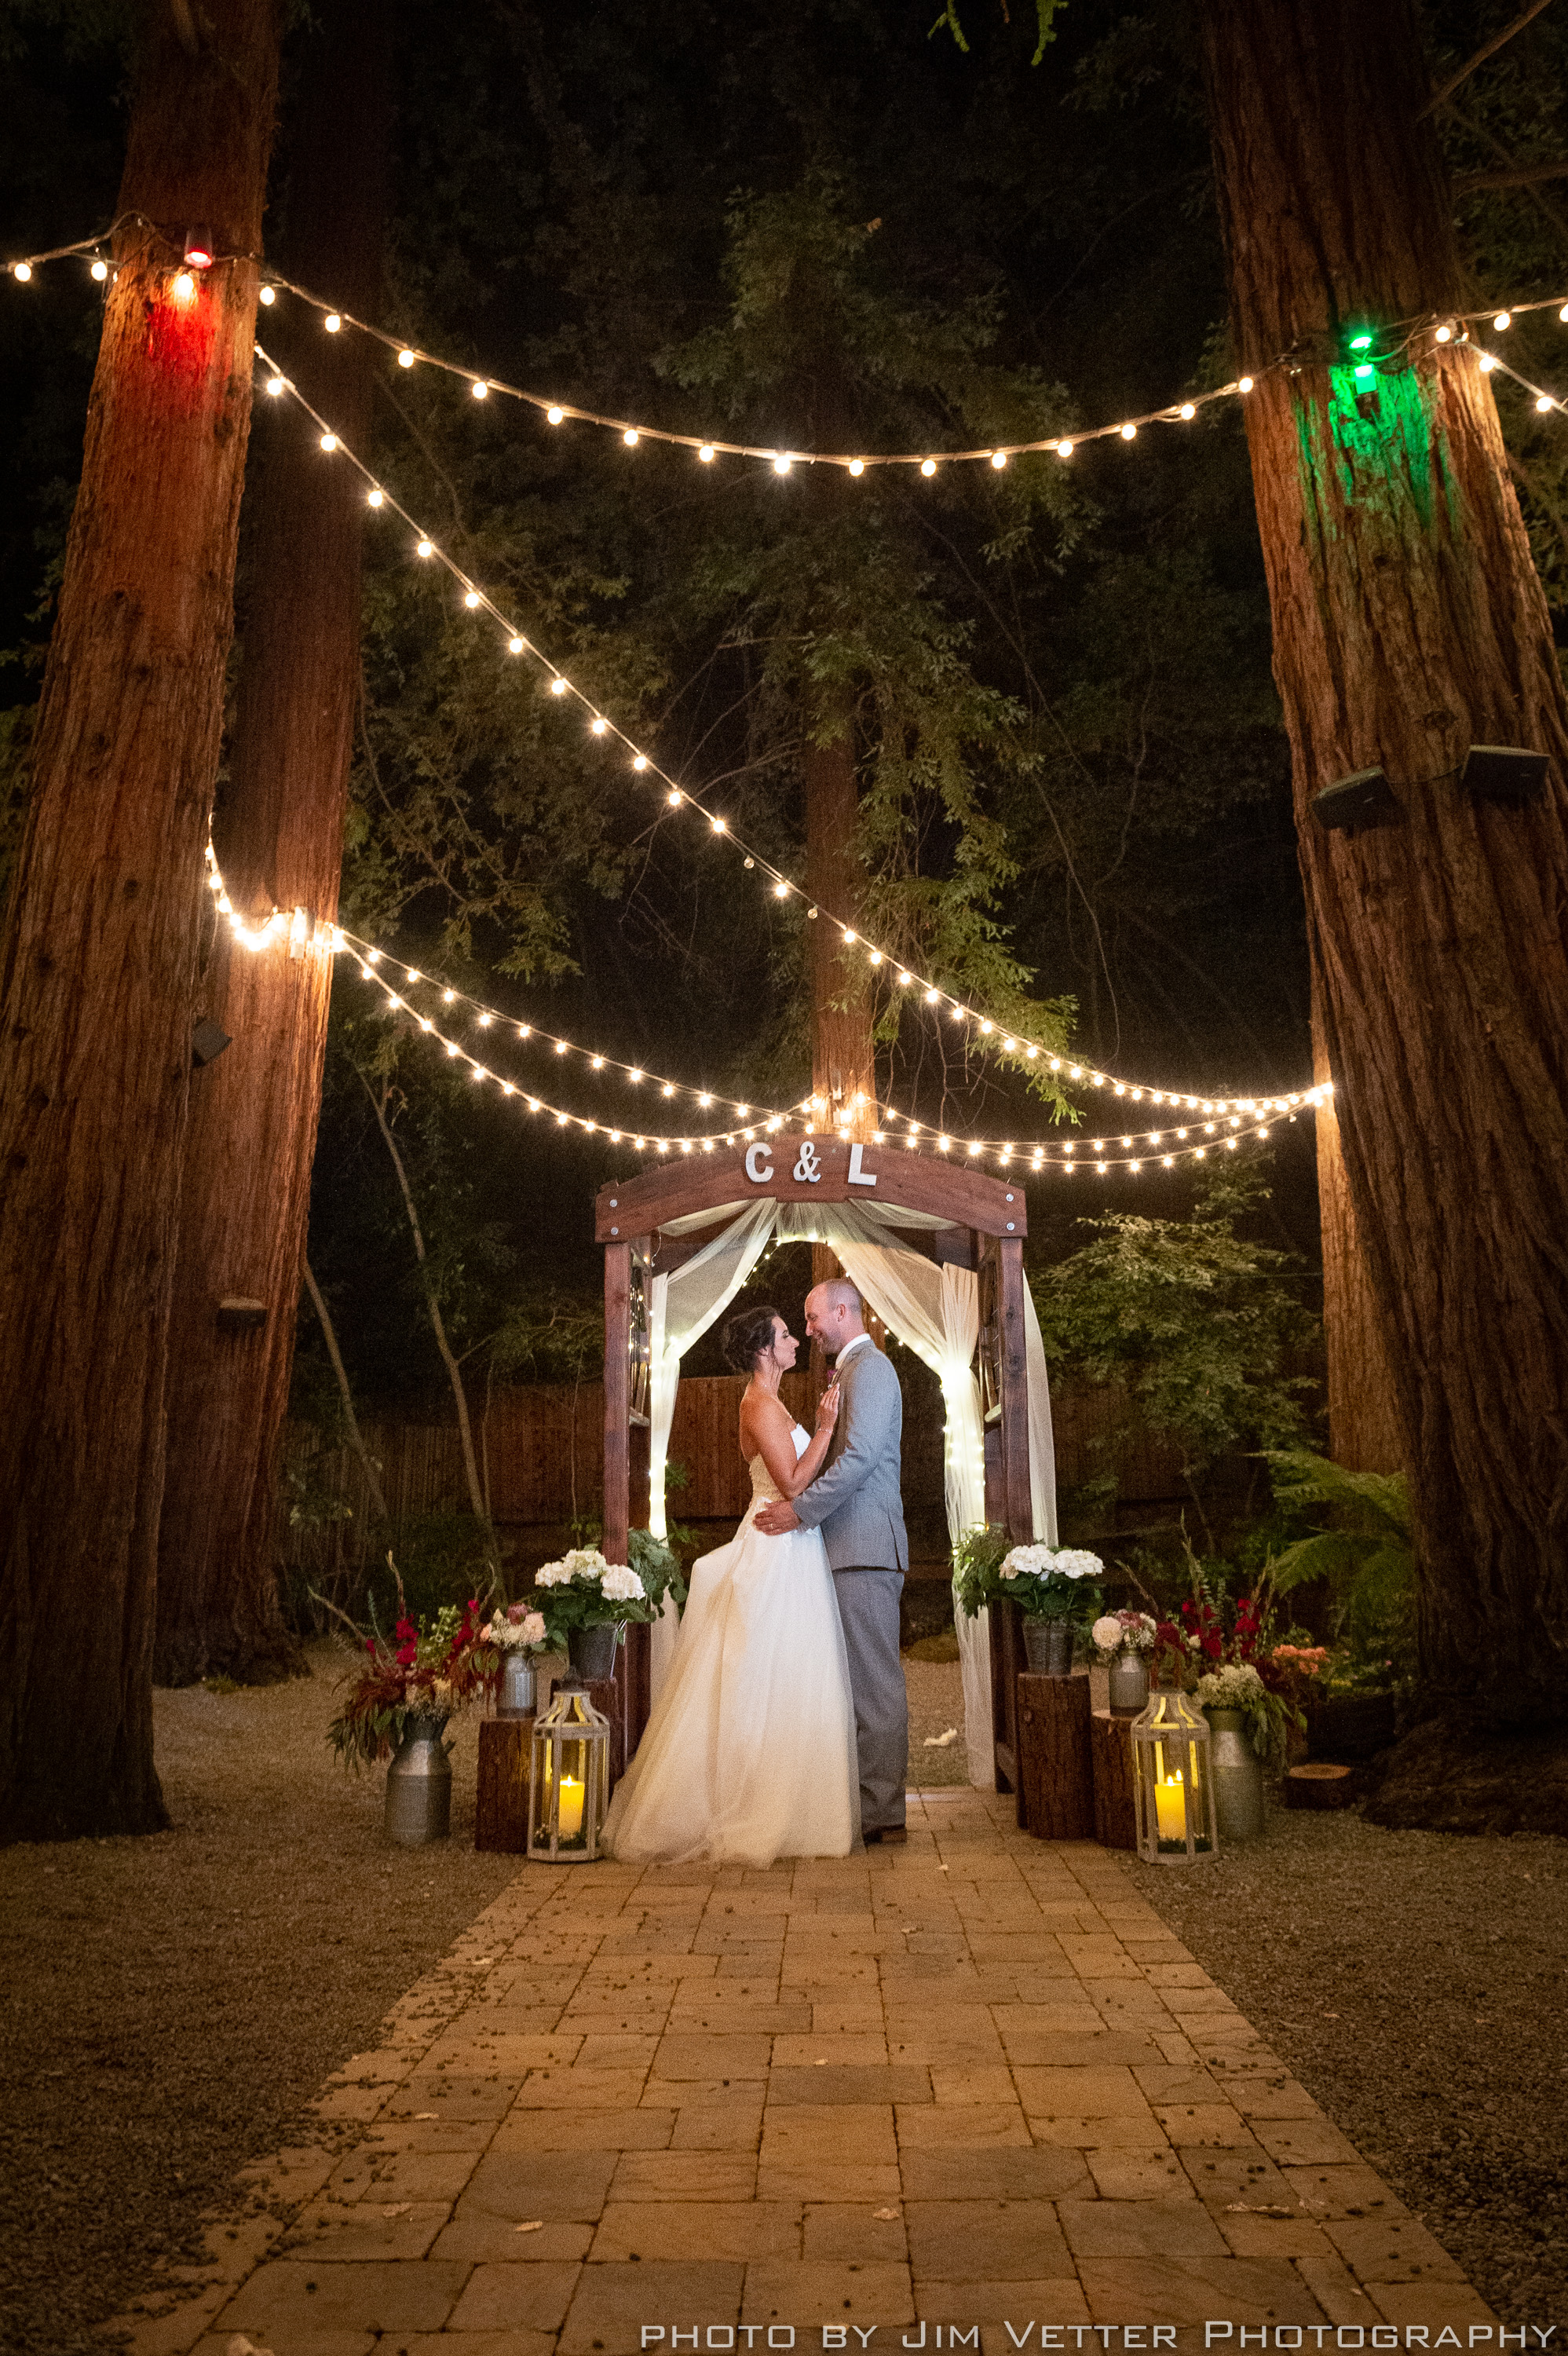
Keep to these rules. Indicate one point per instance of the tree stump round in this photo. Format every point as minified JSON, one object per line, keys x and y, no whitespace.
{"x":1319,"y":1785}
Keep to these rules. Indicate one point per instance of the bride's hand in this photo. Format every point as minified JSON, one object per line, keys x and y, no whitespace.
{"x":828,"y":1407}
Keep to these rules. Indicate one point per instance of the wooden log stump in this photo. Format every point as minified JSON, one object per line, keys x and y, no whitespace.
{"x":1056,"y":1773}
{"x":605,"y":1695}
{"x":1115,"y":1811}
{"x":501,"y":1816}
{"x":1319,"y":1785}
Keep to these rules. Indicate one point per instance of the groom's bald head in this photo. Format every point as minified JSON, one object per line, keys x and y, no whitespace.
{"x":834,"y":1315}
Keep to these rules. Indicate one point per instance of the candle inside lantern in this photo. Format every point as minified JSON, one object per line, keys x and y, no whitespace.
{"x":569,"y":1810}
{"x":1170,"y":1808}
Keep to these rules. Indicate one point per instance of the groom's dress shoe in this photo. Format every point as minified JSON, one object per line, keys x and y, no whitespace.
{"x":889,"y":1833}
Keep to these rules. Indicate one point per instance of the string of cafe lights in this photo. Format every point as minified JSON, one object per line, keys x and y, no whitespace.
{"x":1226,"y":1130}
{"x":922,"y":992}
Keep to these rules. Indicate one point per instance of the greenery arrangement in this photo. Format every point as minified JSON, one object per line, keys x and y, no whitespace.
{"x":1045,"y":1583}
{"x":1367,"y":1558}
{"x":583,"y":1590}
{"x":658,"y":1567}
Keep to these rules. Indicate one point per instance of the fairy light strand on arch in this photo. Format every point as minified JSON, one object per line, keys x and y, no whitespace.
{"x":923,"y":993}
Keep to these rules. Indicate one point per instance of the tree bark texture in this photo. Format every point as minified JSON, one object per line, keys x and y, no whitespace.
{"x":1409,"y":624}
{"x":279,"y":836}
{"x":1363,"y":1425}
{"x":98,"y":966}
{"x":843,"y":1071}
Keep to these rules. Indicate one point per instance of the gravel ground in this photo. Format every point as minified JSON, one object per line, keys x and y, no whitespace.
{"x":1415,"y":1984}
{"x":173,"y":2004}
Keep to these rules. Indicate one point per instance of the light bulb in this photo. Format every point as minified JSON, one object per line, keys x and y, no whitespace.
{"x":558,"y":687}
{"x":405,"y":358}
{"x":998,"y":457}
{"x":781,"y":891}
{"x":931,"y":997}
{"x":631,"y":437}
{"x":555,"y":414}
{"x":414,"y":973}
{"x":876,"y":958}
{"x":706,"y":454}
{"x":329,"y":442}
{"x":1065,"y":449}
{"x":373,"y":499}
{"x":560,"y":1046}
{"x":515,"y":646}
{"x":1445,"y":335}
{"x":857,"y":466}
{"x":101,"y":272}
{"x":1545,"y":402}
{"x":479,"y":388}
{"x":1503,"y":319}
{"x":928,"y":465}
{"x":424,"y":548}
{"x":185,"y":285}
{"x":673,"y":798}
{"x":781,"y":466}
{"x":1187,"y":408}
{"x":719,"y":825}
{"x":471,"y":598}
{"x":449,"y":996}
{"x":332,"y":323}
{"x":274,"y":386}
{"x":1129,"y":433}
{"x":596,"y":726}
{"x":22,"y":272}
{"x":1244,"y":384}
{"x":1488,"y":364}
{"x":640,"y":760}
{"x":905,"y":979}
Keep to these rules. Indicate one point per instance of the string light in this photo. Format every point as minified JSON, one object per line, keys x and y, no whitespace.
{"x":982,"y":1029}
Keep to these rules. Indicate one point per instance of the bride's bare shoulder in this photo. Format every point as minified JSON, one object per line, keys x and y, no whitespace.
{"x":762,"y":1411}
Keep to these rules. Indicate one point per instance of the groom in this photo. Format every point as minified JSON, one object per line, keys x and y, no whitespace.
{"x":855,"y":1503}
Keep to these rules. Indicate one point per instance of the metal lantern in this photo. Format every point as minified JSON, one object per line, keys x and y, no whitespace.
{"x":569,"y":1786}
{"x":1173,"y":1781}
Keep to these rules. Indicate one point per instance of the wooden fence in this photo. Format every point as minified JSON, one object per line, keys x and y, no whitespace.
{"x":542,"y":1452}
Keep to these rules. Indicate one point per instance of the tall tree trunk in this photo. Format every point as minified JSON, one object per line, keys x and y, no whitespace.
{"x":98,"y":967}
{"x":279,"y":835}
{"x":1363,"y":1428}
{"x":843,"y":1066}
{"x":1409,"y":624}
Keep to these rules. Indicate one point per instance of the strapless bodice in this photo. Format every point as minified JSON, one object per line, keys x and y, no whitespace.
{"x":764,"y":1488}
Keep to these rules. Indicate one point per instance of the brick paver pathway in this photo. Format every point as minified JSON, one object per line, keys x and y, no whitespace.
{"x":970,"y":2084}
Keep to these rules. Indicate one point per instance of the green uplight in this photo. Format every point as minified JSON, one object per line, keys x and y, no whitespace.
{"x":1364,"y":369}
{"x":1361,"y":343}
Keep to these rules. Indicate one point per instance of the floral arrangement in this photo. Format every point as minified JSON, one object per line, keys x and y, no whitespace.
{"x":1042,"y":1580}
{"x":583,"y":1590}
{"x":1222,"y":1653}
{"x":1123,"y":1631}
{"x":517,"y":1630}
{"x":428,"y":1669}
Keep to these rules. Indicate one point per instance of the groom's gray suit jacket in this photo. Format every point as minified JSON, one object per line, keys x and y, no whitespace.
{"x":855,"y":1502}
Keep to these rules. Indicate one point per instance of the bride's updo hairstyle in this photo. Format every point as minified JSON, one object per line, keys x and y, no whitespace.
{"x":745,"y":1336}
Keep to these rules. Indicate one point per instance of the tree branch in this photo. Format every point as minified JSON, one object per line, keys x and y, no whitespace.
{"x":1523,"y":175}
{"x":356,"y":1438}
{"x":1487,"y":49}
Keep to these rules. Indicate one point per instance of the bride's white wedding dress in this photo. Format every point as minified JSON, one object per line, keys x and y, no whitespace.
{"x":749,"y":1752}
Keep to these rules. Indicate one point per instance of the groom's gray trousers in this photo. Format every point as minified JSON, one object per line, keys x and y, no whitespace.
{"x":868,"y":1608}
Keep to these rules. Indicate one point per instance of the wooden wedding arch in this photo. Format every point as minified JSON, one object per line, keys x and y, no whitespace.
{"x":985,"y":1226}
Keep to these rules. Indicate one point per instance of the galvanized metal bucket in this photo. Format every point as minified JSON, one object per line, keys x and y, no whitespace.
{"x":419,"y":1785}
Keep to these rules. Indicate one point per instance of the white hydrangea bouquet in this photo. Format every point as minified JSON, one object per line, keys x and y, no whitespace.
{"x":1045,"y":1583}
{"x":1123,"y":1631}
{"x":583,"y":1590}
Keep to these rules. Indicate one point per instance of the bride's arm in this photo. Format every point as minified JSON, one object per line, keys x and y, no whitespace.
{"x":767,"y":1430}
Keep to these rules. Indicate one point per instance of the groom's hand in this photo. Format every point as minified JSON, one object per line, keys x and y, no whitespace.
{"x":776,"y":1520}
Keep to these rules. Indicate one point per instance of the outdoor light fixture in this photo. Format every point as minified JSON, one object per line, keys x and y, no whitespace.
{"x":1173,"y":1785}
{"x":208,"y":1042}
{"x":1505,"y":774}
{"x":1363,"y":798}
{"x":198,"y":249}
{"x":569,"y":1789}
{"x":236,"y":1314}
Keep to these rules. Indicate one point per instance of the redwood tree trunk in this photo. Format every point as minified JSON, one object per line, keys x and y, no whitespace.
{"x":98,"y":967}
{"x":1409,"y":624}
{"x":279,"y":835}
{"x":1363,"y":1427}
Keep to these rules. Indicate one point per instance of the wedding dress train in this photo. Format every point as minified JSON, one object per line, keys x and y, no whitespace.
{"x":749,"y":1752}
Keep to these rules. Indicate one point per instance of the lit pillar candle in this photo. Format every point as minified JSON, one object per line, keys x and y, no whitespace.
{"x":568,"y":1811}
{"x":1170,"y":1808}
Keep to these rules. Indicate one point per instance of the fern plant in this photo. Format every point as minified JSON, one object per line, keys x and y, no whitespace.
{"x":1368,"y":1555}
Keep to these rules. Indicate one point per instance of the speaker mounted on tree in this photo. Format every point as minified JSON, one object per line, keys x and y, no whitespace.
{"x":1362,"y":799}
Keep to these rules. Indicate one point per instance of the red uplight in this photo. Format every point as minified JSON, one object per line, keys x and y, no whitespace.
{"x":198,"y":249}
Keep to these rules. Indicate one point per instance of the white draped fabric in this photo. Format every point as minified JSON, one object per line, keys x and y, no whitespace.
{"x":932,"y":1307}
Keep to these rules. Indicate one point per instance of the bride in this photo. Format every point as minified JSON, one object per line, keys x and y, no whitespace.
{"x":750,"y":1752}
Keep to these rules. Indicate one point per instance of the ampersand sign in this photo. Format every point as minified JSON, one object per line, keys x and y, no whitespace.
{"x":806,"y":1168}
